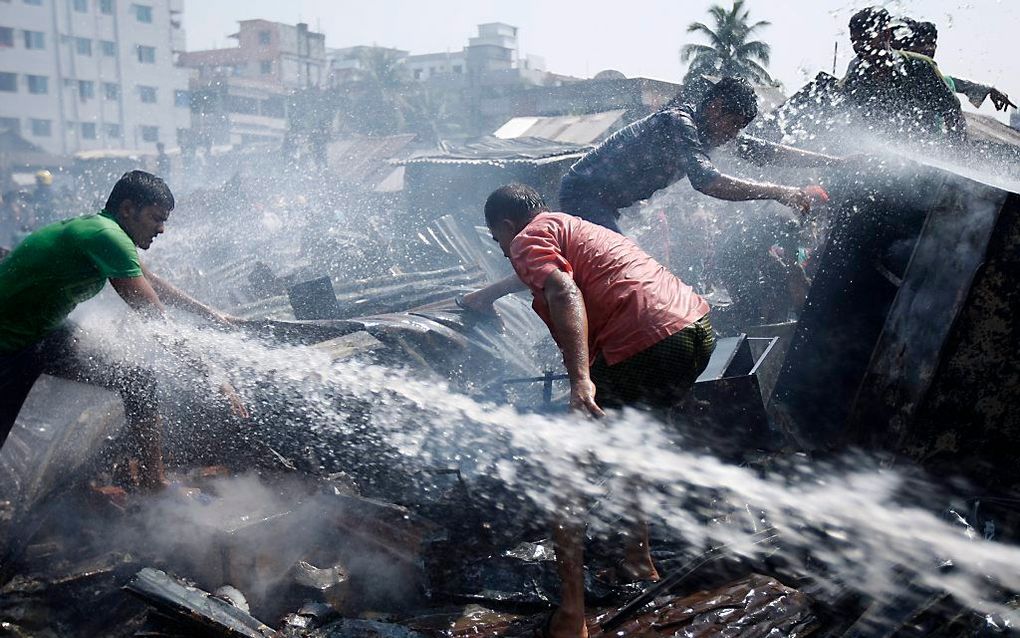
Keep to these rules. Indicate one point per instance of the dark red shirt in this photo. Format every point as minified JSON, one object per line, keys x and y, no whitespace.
{"x":632,"y":301}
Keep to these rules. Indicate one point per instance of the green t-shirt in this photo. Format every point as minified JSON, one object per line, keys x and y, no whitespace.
{"x":56,"y":268}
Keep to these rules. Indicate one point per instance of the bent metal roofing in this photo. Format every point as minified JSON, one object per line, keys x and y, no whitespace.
{"x":494,"y":150}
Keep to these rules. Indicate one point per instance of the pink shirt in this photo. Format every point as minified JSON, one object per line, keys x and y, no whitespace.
{"x":632,"y":301}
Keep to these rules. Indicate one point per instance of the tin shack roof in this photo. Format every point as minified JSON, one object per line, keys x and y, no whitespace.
{"x":588,"y":128}
{"x":496,"y":151}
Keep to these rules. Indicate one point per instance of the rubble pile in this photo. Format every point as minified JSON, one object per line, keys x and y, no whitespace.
{"x":330,"y":563}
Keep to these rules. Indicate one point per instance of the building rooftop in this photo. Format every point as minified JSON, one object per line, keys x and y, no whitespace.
{"x":573,"y":129}
{"x":987,"y":128}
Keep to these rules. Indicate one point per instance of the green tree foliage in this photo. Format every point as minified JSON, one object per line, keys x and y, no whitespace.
{"x":730,"y":50}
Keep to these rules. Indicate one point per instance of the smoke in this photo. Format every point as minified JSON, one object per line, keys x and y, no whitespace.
{"x":849,"y":523}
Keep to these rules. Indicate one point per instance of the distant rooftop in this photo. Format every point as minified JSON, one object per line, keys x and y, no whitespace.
{"x":572,"y":129}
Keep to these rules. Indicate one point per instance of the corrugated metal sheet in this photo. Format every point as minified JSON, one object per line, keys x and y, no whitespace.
{"x":365,"y":160}
{"x":989,"y":129}
{"x":493,"y":150}
{"x":589,"y":128}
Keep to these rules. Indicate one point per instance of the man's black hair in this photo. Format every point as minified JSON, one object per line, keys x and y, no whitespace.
{"x":874,"y":19}
{"x":905,"y":34}
{"x":142,"y":189}
{"x":910,"y":35}
{"x":926,"y":32}
{"x":516,"y":202}
{"x":736,"y":95}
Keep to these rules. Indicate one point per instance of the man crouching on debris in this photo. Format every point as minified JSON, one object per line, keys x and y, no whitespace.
{"x":631,"y":334}
{"x":63,"y":264}
{"x":647,"y":156}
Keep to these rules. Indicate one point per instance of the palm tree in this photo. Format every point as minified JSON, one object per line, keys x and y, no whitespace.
{"x":384,"y":67}
{"x":387,"y":79}
{"x":730,"y":51}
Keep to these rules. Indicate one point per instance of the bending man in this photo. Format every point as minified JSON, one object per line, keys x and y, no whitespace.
{"x":631,"y":334}
{"x":63,"y":264}
{"x":654,"y":152}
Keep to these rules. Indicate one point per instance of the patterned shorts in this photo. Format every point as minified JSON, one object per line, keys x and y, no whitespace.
{"x":658,"y":377}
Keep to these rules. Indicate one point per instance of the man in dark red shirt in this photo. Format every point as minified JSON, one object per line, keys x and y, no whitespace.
{"x":631,"y":333}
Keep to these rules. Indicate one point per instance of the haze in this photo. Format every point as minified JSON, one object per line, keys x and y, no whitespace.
{"x":640,"y":37}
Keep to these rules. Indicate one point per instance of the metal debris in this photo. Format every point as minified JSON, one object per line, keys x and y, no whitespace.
{"x":192,"y":606}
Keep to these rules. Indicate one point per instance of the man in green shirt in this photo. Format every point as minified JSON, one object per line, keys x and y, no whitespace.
{"x":921,"y":38}
{"x":897,"y":96}
{"x":63,"y":264}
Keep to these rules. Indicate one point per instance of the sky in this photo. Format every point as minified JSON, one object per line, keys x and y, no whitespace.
{"x":640,"y":38}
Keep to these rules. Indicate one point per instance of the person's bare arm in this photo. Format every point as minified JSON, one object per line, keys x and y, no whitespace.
{"x":482,"y":300}
{"x":763,"y":152}
{"x":177,"y":298}
{"x":570,"y":323}
{"x":734,"y":189}
{"x":139,"y":294}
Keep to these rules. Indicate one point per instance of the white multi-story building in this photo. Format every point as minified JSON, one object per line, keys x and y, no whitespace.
{"x":285,"y":55}
{"x":80,"y":75}
{"x":491,"y":57}
{"x":239,"y":94}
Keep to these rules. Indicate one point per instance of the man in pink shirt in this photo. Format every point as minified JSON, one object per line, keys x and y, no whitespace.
{"x":631,"y":333}
{"x":620,"y":318}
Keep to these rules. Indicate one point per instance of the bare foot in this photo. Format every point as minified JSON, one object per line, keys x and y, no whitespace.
{"x":564,"y":625}
{"x":638,"y":565}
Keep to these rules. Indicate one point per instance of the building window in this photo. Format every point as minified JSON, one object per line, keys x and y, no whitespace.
{"x":38,"y":84}
{"x":458,"y":68}
{"x":35,"y":40}
{"x":147,"y":94}
{"x":40,"y":128}
{"x":37,"y":3}
{"x":182,"y":98}
{"x":417,"y":74}
{"x":108,"y":48}
{"x":265,"y":37}
{"x":266,"y":67}
{"x":10,"y":124}
{"x":86,"y":89}
{"x":273,"y":107}
{"x":106,"y":6}
{"x":9,"y":82}
{"x":81,"y":6}
{"x":241,"y":104}
{"x":6,"y":37}
{"x":146,"y":55}
{"x":143,"y":13}
{"x":88,"y":131}
{"x":150,"y":133}
{"x":111,"y":91}
{"x":83,"y":46}
{"x":113,"y":130}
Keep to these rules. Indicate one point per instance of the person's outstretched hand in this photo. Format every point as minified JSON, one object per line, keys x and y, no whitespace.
{"x":1000,"y":100}
{"x":474,"y":302}
{"x":582,"y":398}
{"x":802,"y":199}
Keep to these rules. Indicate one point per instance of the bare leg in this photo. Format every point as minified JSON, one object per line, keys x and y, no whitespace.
{"x":148,"y":432}
{"x":68,"y":358}
{"x":568,"y":620}
{"x":637,"y":561}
